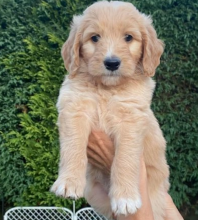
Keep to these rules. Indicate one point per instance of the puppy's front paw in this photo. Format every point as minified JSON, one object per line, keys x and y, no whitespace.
{"x":66,"y":187}
{"x":124,"y":206}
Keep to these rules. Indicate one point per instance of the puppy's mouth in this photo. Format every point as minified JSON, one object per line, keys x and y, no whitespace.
{"x":111,"y":78}
{"x":112,"y":73}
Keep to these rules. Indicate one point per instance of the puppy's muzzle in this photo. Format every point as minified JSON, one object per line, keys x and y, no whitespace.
{"x":112,"y":63}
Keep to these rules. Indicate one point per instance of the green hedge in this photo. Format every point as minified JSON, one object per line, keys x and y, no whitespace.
{"x":31,"y":72}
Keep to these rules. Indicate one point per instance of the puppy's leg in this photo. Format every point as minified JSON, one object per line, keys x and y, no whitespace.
{"x":124,"y":190}
{"x":74,"y":129}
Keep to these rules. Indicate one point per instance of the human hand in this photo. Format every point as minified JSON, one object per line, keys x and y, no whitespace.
{"x":100,"y":153}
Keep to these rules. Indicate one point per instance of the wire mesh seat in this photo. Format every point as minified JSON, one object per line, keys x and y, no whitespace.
{"x":88,"y":214}
{"x":51,"y":213}
{"x":38,"y":213}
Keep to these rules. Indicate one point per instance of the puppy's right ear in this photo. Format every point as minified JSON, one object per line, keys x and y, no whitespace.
{"x":70,"y":49}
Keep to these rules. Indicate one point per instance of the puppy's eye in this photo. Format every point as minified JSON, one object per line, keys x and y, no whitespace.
{"x":95,"y":38}
{"x":128,"y":38}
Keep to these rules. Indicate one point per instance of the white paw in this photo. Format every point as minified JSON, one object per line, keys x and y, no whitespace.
{"x":67,"y":188}
{"x":124,"y":206}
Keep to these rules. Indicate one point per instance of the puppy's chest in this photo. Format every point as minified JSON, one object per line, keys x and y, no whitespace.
{"x":110,"y":110}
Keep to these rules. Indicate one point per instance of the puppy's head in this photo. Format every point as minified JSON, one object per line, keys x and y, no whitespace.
{"x":112,"y":41}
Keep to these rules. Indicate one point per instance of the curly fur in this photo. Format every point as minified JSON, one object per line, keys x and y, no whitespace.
{"x":117,"y":102}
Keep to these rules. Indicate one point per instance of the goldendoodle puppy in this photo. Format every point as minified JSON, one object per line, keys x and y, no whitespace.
{"x":111,"y":53}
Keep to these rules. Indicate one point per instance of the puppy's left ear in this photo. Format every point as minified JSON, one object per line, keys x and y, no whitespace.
{"x":152,"y":49}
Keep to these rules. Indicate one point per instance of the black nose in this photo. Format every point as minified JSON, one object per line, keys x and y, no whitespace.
{"x":112,"y":63}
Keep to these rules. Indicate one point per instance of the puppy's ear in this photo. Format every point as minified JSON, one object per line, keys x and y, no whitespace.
{"x":152,"y":49}
{"x":70,"y":49}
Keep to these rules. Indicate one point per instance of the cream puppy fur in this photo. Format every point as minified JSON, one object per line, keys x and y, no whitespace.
{"x":111,"y":53}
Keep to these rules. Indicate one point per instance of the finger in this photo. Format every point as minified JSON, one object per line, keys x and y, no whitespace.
{"x":95,"y":148}
{"x":95,"y":164}
{"x":98,"y":161}
{"x":104,"y":138}
{"x":100,"y":154}
{"x":104,"y":144}
{"x":93,"y":142}
{"x":94,"y":156}
{"x":97,"y":145}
